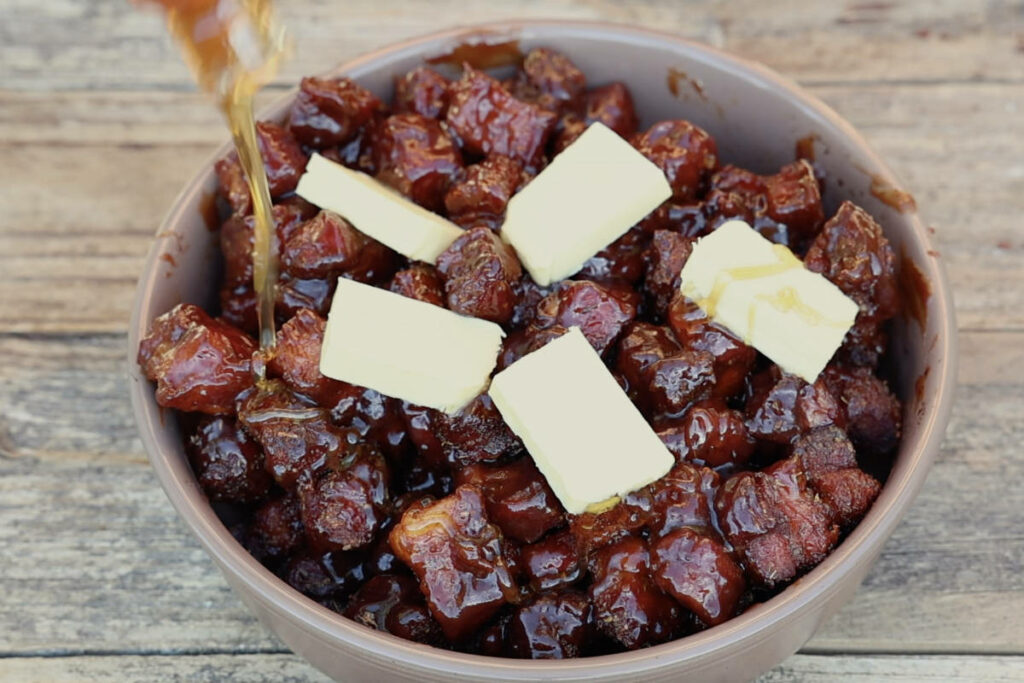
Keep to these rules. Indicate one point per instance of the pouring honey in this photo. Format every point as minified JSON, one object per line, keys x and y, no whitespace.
{"x":233,"y":48}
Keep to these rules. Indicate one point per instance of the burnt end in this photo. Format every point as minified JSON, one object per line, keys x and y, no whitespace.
{"x":227,"y":463}
{"x":324,"y":245}
{"x":331,"y":111}
{"x":620,"y":262}
{"x":673,"y":384}
{"x":709,"y":433}
{"x":421,"y":282}
{"x":481,"y":196}
{"x":873,"y":413}
{"x":694,"y":330}
{"x":551,"y":562}
{"x":343,"y":503}
{"x":685,"y":153}
{"x":275,"y":529}
{"x":518,"y":498}
{"x":551,"y":626}
{"x":199,"y":364}
{"x":699,"y":573}
{"x":628,"y":607}
{"x":297,"y":436}
{"x":422,"y":91}
{"x":283,"y":160}
{"x":415,"y":156}
{"x":296,"y":361}
{"x":684,"y":498}
{"x":830,"y":464}
{"x":665,"y":258}
{"x":326,"y":578}
{"x":475,"y":434}
{"x":781,"y":406}
{"x":296,"y":294}
{"x":558,"y":82}
{"x":481,"y":274}
{"x":393,"y":603}
{"x":612,"y":105}
{"x":594,"y":530}
{"x":601,"y":311}
{"x":489,"y":120}
{"x":457,"y":556}
{"x":642,"y":345}
{"x":775,"y":523}
{"x":236,"y":239}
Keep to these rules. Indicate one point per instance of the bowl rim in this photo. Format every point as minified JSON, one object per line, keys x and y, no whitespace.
{"x":748,"y":628}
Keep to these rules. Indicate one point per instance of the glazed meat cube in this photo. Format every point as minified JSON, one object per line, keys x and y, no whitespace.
{"x":297,"y":435}
{"x":686,"y":154}
{"x":675,"y":383}
{"x":665,"y":258}
{"x":709,"y":433}
{"x":394,"y":604}
{"x":343,"y":503}
{"x":558,"y":82}
{"x":830,"y":464}
{"x":683,"y":498}
{"x":481,"y":195}
{"x":457,"y":556}
{"x":620,"y":262}
{"x":600,"y":311}
{"x":694,"y":330}
{"x":518,"y":498}
{"x":775,"y":523}
{"x":296,"y":361}
{"x":852,"y":252}
{"x":641,"y":346}
{"x":480,"y":276}
{"x":594,"y":530}
{"x":698,"y":571}
{"x":521,"y":342}
{"x":874,"y":415}
{"x":628,"y":607}
{"x":283,"y":160}
{"x":325,"y":578}
{"x":551,"y":562}
{"x":331,"y":111}
{"x":236,"y":240}
{"x":612,"y":105}
{"x":422,"y":91}
{"x":275,"y":529}
{"x":783,"y":406}
{"x":420,"y":425}
{"x":477,"y":433}
{"x":419,"y":281}
{"x":199,"y":364}
{"x":238,"y":308}
{"x":414,"y":155}
{"x":227,"y":463}
{"x":488,"y":120}
{"x":551,"y":626}
{"x":324,"y":245}
{"x":295,"y":294}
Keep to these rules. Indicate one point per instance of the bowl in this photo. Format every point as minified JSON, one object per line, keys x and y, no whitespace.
{"x":758,"y":118}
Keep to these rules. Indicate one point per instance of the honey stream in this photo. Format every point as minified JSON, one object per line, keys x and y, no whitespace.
{"x":234,"y":48}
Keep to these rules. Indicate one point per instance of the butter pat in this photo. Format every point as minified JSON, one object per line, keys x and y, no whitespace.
{"x":376,"y":210}
{"x":765,"y":296}
{"x":587,"y":197}
{"x":407,"y":349}
{"x":586,"y":436}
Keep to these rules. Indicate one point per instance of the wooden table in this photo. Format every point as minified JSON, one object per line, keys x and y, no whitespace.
{"x":100,"y":127}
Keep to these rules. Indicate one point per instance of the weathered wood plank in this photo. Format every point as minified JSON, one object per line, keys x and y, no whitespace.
{"x":83,"y":192}
{"x":286,"y":668}
{"x":95,"y":559}
{"x":106,"y":44}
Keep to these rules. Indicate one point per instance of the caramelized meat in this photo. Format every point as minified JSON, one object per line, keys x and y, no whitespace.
{"x":456,"y":554}
{"x":709,"y":433}
{"x":324,"y":245}
{"x":551,"y":626}
{"x":600,"y":311}
{"x":783,"y":406}
{"x":296,"y":361}
{"x":421,"y":282}
{"x":422,"y":91}
{"x":873,"y":414}
{"x":551,"y":562}
{"x":620,"y":262}
{"x":686,"y":154}
{"x":733,"y":359}
{"x":481,"y":274}
{"x":699,"y":573}
{"x":683,"y":498}
{"x":477,"y":433}
{"x":227,"y":463}
{"x":331,"y":111}
{"x":199,"y":364}
{"x":481,"y":195}
{"x":518,"y":498}
{"x":414,"y":155}
{"x":665,"y":258}
{"x":393,"y":603}
{"x":283,"y":161}
{"x":594,"y":530}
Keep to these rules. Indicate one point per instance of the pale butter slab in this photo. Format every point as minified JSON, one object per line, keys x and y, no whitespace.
{"x":764,"y":295}
{"x":376,"y":210}
{"x":407,"y":349}
{"x":586,"y":436}
{"x":586,"y":198}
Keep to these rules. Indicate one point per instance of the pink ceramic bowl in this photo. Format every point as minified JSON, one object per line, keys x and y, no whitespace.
{"x":757,"y":117}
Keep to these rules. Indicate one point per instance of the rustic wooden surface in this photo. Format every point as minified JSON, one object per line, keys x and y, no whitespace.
{"x":99,"y":128}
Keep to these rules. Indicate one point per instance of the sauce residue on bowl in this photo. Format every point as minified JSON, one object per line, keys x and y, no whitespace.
{"x":915,"y":289}
{"x":481,"y":54}
{"x":892,"y":196}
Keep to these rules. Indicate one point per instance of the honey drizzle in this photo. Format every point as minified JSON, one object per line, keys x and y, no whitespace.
{"x":233,"y":48}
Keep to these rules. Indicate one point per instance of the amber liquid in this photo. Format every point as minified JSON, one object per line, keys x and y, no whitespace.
{"x":233,"y":48}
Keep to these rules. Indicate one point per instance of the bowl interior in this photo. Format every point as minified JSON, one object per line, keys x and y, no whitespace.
{"x":757,"y":118}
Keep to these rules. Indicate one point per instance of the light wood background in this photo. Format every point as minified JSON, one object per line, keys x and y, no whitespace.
{"x":99,"y":129}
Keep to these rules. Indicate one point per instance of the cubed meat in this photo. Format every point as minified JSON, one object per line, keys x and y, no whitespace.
{"x":783,"y":406}
{"x":642,"y":345}
{"x":829,"y":462}
{"x":665,"y":258}
{"x":709,"y":433}
{"x":324,"y":245}
{"x":595,"y":530}
{"x":481,"y":195}
{"x":477,"y":433}
{"x":275,"y":529}
{"x":600,"y":311}
{"x":419,"y":281}
{"x":698,"y":571}
{"x":551,"y":562}
{"x":326,"y":578}
{"x":295,"y":294}
{"x":456,"y":554}
{"x":199,"y":364}
{"x":236,"y":239}
{"x":694,"y":330}
{"x":422,"y":91}
{"x":283,"y":160}
{"x":393,"y":603}
{"x":683,"y":498}
{"x":685,"y":153}
{"x":415,"y":156}
{"x":628,"y":607}
{"x":620,"y":262}
{"x":559,"y":83}
{"x":551,"y":626}
{"x":873,"y":413}
{"x":481,"y":274}
{"x":296,"y":360}
{"x":227,"y":463}
{"x":489,"y":120}
{"x":518,"y":498}
{"x":673,"y":384}
{"x":612,"y":105}
{"x":331,"y":111}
